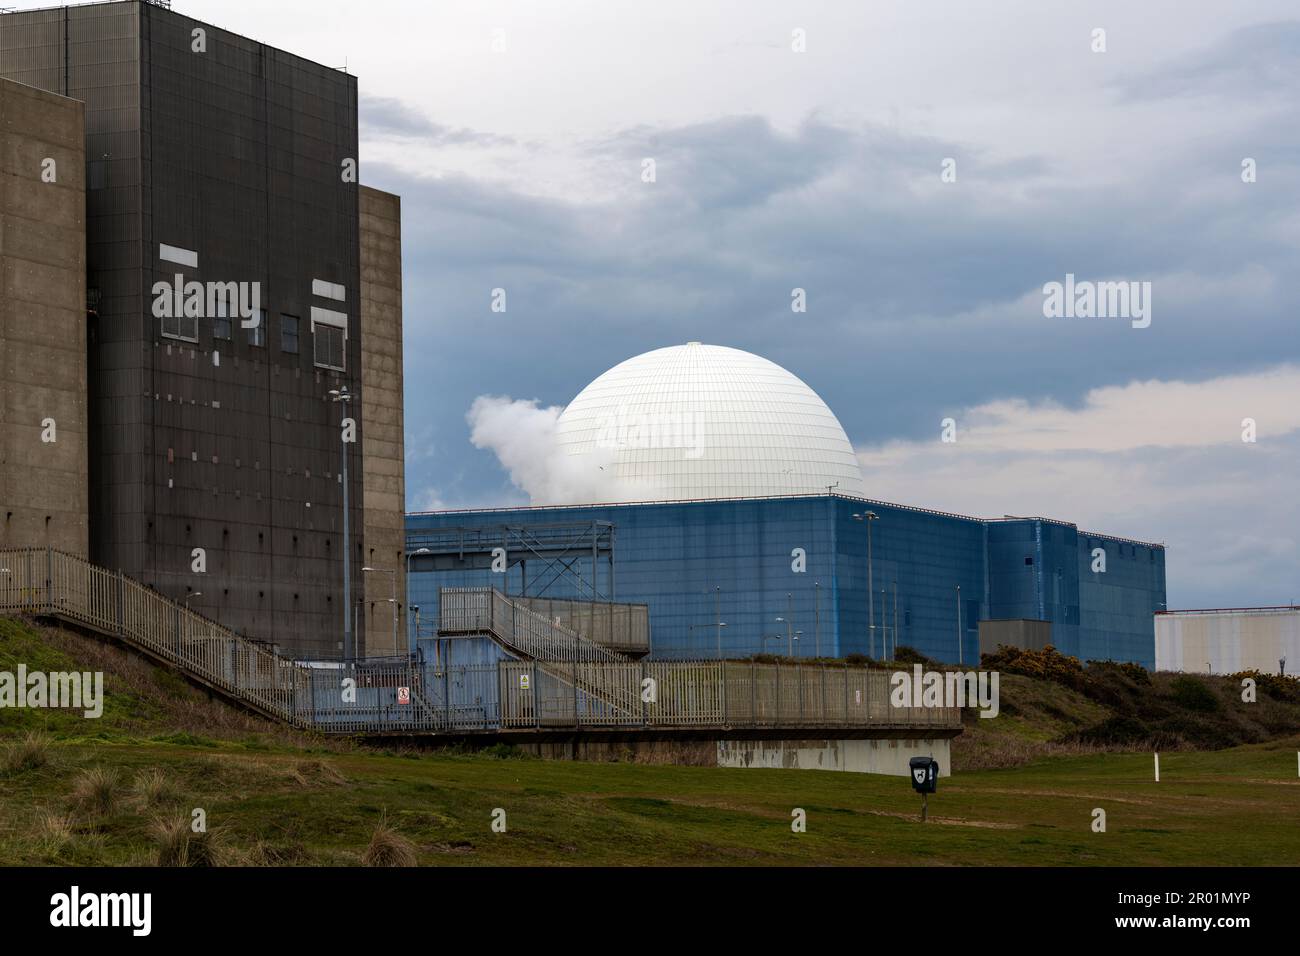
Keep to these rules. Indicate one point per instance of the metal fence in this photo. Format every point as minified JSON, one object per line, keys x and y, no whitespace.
{"x":624,"y":628}
{"x":601,"y":691}
{"x":486,"y":610}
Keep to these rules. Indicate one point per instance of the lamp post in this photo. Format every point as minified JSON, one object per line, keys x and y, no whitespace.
{"x":192,"y":594}
{"x":410,"y":606}
{"x":789,"y":635}
{"x":868,"y":517}
{"x":817,"y":619}
{"x":716,"y":625}
{"x":717,"y":616}
{"x":959,"y":633}
{"x":343,"y":396}
{"x":392,"y":600}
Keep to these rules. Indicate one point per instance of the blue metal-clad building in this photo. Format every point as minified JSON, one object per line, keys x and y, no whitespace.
{"x":738,"y":576}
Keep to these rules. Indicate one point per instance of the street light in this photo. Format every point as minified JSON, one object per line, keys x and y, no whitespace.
{"x":343,"y":396}
{"x":717,"y":625}
{"x":192,"y":594}
{"x":870,"y":516}
{"x":789,"y":635}
{"x":717,"y":616}
{"x":409,"y":556}
{"x":392,"y":600}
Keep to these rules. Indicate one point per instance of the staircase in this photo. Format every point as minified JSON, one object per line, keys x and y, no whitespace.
{"x":561,"y":653}
{"x":44,"y":582}
{"x":556,"y":677}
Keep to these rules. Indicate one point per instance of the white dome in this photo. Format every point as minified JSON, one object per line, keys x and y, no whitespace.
{"x":704,"y":421}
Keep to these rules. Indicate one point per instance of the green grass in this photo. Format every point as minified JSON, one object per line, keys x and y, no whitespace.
{"x":274,"y":797}
{"x":1229,"y":807}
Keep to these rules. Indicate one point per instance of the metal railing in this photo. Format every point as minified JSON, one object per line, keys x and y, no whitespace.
{"x":402,"y":696}
{"x":624,"y":628}
{"x":486,"y":610}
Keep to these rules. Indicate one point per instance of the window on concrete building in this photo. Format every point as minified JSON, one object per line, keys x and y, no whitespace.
{"x":257,"y":332}
{"x":289,"y":334}
{"x":221,"y":321}
{"x":330,"y":335}
{"x":181,"y":327}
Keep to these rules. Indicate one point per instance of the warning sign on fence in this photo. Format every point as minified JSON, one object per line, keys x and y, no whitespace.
{"x":523,"y":682}
{"x":403,"y":695}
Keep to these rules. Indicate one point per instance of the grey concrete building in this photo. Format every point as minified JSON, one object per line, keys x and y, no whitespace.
{"x":223,"y":259}
{"x":382,"y":448}
{"x":43,"y":433}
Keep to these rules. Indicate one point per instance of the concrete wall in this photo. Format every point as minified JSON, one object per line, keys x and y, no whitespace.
{"x":888,"y":757}
{"x":1228,"y":641}
{"x":43,"y":483}
{"x":382,"y":444}
{"x":1026,"y":635}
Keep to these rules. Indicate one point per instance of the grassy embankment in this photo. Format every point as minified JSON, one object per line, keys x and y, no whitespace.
{"x":122,"y":789}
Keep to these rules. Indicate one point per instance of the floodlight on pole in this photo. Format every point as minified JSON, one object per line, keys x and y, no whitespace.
{"x":869,"y":517}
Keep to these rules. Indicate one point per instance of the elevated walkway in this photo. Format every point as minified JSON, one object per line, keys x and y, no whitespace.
{"x":560,"y":681}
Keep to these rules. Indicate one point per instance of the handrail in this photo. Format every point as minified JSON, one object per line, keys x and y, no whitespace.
{"x":592,"y":688}
{"x":515,"y":625}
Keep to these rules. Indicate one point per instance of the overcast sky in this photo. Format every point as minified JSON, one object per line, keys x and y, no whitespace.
{"x":515,"y":133}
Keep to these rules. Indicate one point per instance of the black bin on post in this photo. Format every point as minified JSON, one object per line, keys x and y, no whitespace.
{"x":925,"y":779}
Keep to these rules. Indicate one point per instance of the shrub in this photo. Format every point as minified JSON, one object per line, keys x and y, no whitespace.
{"x":910,"y":655}
{"x":1134,"y":672}
{"x":1278,"y":686}
{"x":1117,"y":730}
{"x":502,"y":751}
{"x":1192,"y":694}
{"x":1047,"y":664}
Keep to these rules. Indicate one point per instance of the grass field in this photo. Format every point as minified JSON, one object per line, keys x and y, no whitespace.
{"x":122,"y":790}
{"x":1229,"y":807}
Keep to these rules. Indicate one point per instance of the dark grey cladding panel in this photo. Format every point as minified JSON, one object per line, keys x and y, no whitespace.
{"x":235,"y":154}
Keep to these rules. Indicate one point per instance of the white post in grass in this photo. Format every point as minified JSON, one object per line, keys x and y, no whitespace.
{"x":1157,"y":768}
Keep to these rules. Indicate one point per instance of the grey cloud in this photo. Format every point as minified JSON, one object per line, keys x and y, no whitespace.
{"x":385,"y":116}
{"x":1255,"y":61}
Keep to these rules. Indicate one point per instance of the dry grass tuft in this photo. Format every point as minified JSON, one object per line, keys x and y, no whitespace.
{"x":314,"y":773}
{"x":97,"y":791}
{"x":179,"y":845}
{"x":388,"y":848}
{"x":31,"y":751}
{"x":53,"y":833}
{"x":154,"y":788}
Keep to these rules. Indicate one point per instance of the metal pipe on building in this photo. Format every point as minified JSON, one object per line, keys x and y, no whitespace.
{"x":343,"y":396}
